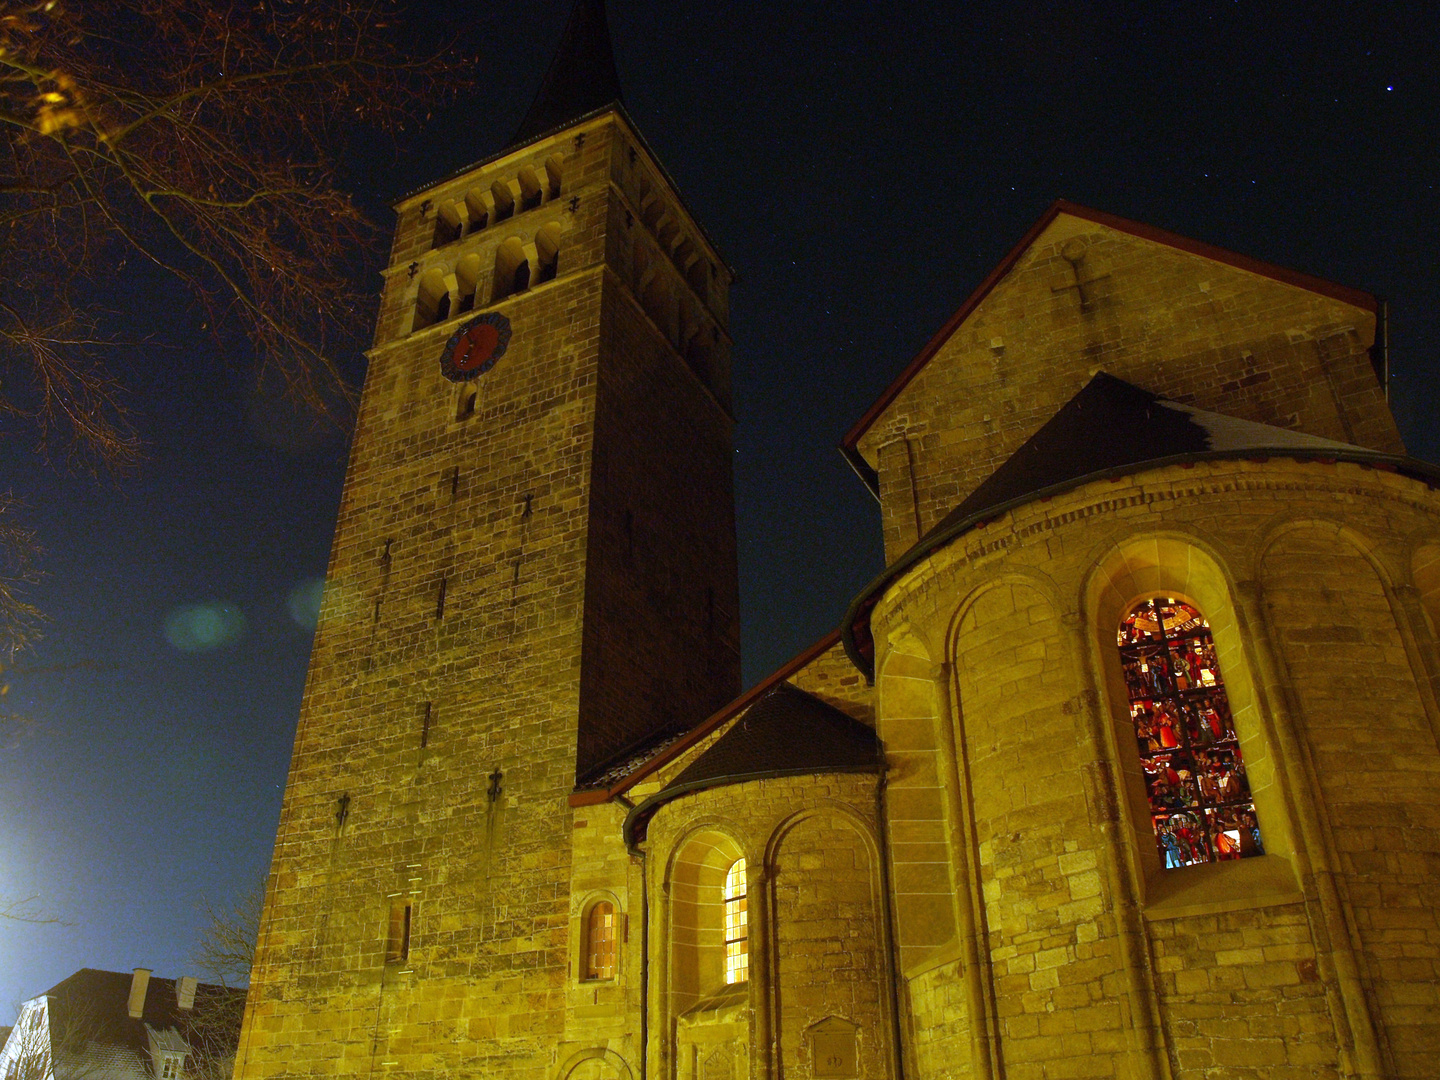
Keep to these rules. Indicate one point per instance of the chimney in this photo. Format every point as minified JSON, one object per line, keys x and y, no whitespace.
{"x":185,"y":992}
{"x":139,"y":983}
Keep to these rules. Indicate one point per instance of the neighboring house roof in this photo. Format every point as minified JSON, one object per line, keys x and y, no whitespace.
{"x":92,"y":1030}
{"x":787,"y":732}
{"x":1343,"y":293}
{"x":1110,"y":428}
{"x":582,"y":79}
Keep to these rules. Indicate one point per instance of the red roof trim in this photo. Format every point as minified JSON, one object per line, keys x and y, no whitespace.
{"x":592,"y":796}
{"x":1343,"y":293}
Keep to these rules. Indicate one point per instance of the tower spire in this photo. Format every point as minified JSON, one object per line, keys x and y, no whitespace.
{"x":582,"y":77}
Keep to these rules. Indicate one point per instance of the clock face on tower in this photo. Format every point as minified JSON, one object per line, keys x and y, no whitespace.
{"x":474,"y":348}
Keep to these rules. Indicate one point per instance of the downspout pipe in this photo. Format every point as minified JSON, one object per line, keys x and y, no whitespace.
{"x":644,"y":961}
{"x":887,"y":902}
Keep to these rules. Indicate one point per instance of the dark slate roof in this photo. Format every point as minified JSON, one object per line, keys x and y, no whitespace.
{"x":788,"y":732}
{"x":582,"y":78}
{"x":96,"y":1005}
{"x":1111,"y":424}
{"x":1110,"y":428}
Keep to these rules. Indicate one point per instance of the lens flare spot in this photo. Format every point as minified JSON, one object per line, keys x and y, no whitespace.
{"x":197,"y":628}
{"x":304,"y":602}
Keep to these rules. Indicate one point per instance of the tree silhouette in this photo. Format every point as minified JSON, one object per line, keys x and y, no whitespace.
{"x":200,"y":139}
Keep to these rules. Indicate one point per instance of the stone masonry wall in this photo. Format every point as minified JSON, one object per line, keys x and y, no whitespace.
{"x":438,"y":732}
{"x":1315,"y":960}
{"x":817,"y":936}
{"x":833,"y":679}
{"x":662,"y":639}
{"x":1202,"y":332}
{"x":1374,"y":751}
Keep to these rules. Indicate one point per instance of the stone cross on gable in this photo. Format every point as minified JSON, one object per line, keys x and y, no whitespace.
{"x":1085,"y":282}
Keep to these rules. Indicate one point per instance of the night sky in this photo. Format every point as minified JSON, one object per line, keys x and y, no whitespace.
{"x":862,"y":166}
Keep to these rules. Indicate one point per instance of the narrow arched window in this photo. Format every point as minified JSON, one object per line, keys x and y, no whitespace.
{"x":554,"y":167}
{"x":448,"y":226}
{"x":467,"y":280}
{"x":530,"y":193}
{"x":547,"y":250}
{"x":1200,"y":802}
{"x":737,"y":927}
{"x":600,"y":942}
{"x":512,"y":269}
{"x":504,"y":201}
{"x":432,"y":299}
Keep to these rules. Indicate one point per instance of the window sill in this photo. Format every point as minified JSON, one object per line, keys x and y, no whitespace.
{"x":1264,"y":881}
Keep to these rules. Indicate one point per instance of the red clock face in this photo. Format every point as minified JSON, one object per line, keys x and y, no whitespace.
{"x":475,"y":347}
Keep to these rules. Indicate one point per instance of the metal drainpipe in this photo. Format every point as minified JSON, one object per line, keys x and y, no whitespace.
{"x":885,"y":900}
{"x":644,"y":963}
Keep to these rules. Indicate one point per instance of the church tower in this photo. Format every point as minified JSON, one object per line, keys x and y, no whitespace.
{"x":533,"y":578}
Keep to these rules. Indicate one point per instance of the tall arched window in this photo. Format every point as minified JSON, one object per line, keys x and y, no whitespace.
{"x":737,"y":930}
{"x":1200,"y":801}
{"x":600,"y":941}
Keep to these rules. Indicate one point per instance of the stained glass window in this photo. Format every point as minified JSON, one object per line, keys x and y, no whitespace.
{"x":600,"y":942}
{"x":1200,"y":801}
{"x":737,"y":932}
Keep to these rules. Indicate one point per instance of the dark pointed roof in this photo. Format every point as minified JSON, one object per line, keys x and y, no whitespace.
{"x":788,"y":732}
{"x":1110,"y":428}
{"x":582,"y":79}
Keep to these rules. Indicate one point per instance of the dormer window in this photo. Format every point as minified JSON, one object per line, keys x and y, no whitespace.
{"x":172,"y":1066}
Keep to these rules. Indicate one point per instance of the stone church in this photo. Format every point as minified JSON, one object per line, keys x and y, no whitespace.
{"x":1125,"y":766}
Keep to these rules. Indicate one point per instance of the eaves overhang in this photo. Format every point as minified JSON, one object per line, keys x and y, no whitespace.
{"x":855,"y":630}
{"x":638,"y":819}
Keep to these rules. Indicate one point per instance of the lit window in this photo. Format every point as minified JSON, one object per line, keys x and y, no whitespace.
{"x":600,"y":942}
{"x":1200,"y":801}
{"x":737,"y":943}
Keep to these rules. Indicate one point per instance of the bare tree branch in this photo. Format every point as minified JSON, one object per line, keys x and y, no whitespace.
{"x":202,"y":138}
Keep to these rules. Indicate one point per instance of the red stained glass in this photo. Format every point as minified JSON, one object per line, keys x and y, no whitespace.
{"x":1200,"y":802}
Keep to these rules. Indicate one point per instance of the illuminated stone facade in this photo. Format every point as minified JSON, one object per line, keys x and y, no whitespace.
{"x":521,"y":702}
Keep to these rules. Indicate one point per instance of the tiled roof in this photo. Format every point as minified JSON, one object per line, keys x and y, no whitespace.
{"x":632,"y":760}
{"x":786,"y":732}
{"x":644,"y":760}
{"x":92,"y":1007}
